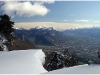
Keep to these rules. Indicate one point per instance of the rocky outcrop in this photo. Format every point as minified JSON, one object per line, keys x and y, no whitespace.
{"x":58,"y":60}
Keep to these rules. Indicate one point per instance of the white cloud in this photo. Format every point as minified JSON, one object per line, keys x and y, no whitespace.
{"x":45,"y":1}
{"x":82,"y":20}
{"x":1,"y":2}
{"x":96,"y":21}
{"x":26,"y":8}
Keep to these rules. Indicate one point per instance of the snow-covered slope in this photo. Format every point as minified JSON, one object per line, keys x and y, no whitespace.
{"x":81,"y":69}
{"x":22,"y":62}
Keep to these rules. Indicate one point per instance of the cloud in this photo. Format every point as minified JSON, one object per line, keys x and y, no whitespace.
{"x":65,"y":20}
{"x":82,"y":20}
{"x":72,"y":15}
{"x":45,"y":1}
{"x":26,"y":8}
{"x":55,"y":25}
{"x":1,"y":2}
{"x":96,"y":21}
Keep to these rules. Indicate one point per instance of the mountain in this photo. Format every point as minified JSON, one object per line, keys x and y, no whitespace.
{"x":84,"y":32}
{"x":38,"y":36}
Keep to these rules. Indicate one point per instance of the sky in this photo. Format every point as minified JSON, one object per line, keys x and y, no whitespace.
{"x":57,"y":14}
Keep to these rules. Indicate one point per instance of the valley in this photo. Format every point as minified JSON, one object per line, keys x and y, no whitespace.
{"x":85,"y":42}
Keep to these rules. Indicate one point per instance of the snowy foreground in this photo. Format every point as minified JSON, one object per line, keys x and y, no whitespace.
{"x":22,"y":62}
{"x":31,"y":62}
{"x":81,"y":69}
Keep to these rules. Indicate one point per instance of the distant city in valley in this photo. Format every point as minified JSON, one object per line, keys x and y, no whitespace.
{"x":84,"y":41}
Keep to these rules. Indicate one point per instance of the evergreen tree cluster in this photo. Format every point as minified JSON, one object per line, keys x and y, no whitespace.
{"x":61,"y":59}
{"x":6,"y":27}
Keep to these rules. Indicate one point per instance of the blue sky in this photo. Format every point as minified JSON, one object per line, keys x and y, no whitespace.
{"x":81,"y":13}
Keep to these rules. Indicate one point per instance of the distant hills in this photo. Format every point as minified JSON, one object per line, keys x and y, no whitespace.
{"x":44,"y":36}
{"x":84,"y":32}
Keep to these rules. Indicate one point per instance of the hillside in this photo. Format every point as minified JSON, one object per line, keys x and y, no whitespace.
{"x":21,"y":45}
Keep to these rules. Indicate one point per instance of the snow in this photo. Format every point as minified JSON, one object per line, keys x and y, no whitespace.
{"x":22,"y":62}
{"x":81,"y":69}
{"x":91,"y":62}
{"x":41,"y":56}
{"x":2,"y":41}
{"x":5,"y":48}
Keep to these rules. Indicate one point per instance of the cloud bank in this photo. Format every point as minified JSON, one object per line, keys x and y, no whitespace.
{"x":96,"y":21}
{"x":65,"y":20}
{"x":55,"y":25}
{"x":26,"y":8}
{"x":82,"y":20}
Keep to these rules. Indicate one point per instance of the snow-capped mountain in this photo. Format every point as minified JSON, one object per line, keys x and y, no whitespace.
{"x":44,"y":28}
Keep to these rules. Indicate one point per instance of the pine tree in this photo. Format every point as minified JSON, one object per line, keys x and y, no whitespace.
{"x":6,"y":27}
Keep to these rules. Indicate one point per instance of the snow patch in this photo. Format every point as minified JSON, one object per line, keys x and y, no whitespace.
{"x":22,"y":62}
{"x":41,"y":57}
{"x":2,"y":41}
{"x":81,"y":69}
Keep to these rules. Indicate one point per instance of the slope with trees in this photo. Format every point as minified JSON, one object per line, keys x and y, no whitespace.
{"x":6,"y":30}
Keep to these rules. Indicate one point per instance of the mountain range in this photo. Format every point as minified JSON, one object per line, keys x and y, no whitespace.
{"x":84,"y":41}
{"x":38,"y":36}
